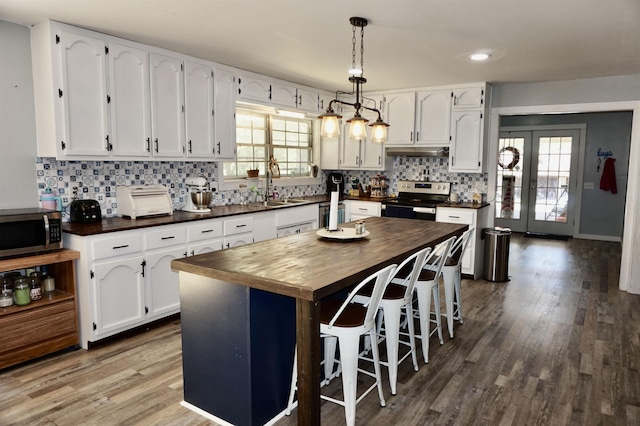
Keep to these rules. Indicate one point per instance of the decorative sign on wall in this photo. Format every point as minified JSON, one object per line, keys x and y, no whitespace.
{"x":601,"y":154}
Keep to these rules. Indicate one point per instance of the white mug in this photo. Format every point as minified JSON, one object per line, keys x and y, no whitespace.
{"x":453,"y":197}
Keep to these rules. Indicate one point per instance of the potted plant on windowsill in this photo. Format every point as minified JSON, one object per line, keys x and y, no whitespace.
{"x":253,"y":173}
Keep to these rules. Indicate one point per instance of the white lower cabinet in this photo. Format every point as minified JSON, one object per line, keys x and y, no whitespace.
{"x":357,"y":210}
{"x":124,"y":279}
{"x":116,"y":290}
{"x":204,"y":236}
{"x":476,"y":219}
{"x":238,"y":231}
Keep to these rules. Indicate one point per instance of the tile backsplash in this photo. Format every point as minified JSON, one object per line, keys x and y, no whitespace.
{"x":98,"y":179}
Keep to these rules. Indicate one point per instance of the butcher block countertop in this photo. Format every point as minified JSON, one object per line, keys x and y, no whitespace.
{"x":309,"y":267}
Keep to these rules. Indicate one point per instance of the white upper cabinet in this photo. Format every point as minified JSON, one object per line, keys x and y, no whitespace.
{"x":468,"y":133}
{"x":84,"y":95}
{"x":433,"y":117}
{"x":284,"y":95}
{"x":167,"y":97}
{"x":199,"y":109}
{"x":400,"y":112}
{"x":225,"y":114}
{"x":308,"y":100}
{"x":466,"y":149}
{"x":468,"y":97}
{"x":253,"y":88}
{"x":129,"y":101}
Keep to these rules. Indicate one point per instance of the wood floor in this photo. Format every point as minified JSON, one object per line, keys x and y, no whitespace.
{"x":557,"y":345}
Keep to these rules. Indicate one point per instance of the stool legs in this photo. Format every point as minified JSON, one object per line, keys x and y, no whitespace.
{"x":458,"y":295}
{"x":449,"y":288}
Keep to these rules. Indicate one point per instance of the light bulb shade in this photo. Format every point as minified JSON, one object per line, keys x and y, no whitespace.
{"x":330,"y":126}
{"x":357,"y":127}
{"x":379,"y":131}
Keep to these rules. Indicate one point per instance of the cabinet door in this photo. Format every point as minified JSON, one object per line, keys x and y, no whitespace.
{"x":198,"y":100}
{"x":205,"y":247}
{"x":163,"y":290}
{"x":225,"y":115}
{"x":237,"y":240}
{"x":283,"y":95}
{"x":129,"y":92}
{"x":471,"y":97}
{"x":307,"y":100}
{"x":324,"y":99}
{"x":433,"y":119}
{"x":350,"y":151}
{"x":167,"y":95}
{"x":466,"y":146}
{"x":372,"y":154}
{"x":400,"y":109}
{"x":84,"y":96}
{"x":118,"y":295}
{"x":254,"y":89}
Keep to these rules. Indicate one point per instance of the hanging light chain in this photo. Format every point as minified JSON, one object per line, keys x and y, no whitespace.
{"x":362,"y":51}
{"x":353,"y":48}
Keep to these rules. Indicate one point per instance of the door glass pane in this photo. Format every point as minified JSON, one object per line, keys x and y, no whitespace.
{"x":509,"y":183}
{"x":554,"y":163}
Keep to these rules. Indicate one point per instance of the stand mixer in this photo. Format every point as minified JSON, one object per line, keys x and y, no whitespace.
{"x":198,"y":195}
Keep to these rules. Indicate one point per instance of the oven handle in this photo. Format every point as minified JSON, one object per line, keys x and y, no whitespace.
{"x":424,"y":210}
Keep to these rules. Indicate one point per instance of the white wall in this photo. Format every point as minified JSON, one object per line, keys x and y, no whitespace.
{"x":18,"y":186}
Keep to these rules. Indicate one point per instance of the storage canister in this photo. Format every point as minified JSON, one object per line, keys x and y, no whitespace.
{"x":48,"y":283}
{"x":6,"y":292}
{"x":21,"y":291}
{"x":35,"y":288}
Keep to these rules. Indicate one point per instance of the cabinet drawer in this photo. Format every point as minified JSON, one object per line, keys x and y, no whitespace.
{"x":366,"y":209}
{"x":453,"y":215}
{"x":37,"y":325}
{"x":238,"y":226}
{"x":116,"y":246}
{"x":165,"y":237}
{"x":203,"y":231}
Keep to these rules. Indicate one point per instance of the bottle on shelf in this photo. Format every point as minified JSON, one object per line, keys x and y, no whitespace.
{"x":21,"y":291}
{"x":6,"y":292}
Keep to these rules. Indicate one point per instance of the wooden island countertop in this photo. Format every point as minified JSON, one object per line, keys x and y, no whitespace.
{"x":304,"y":267}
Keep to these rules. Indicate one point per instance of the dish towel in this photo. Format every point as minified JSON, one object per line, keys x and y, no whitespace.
{"x":608,"y":179}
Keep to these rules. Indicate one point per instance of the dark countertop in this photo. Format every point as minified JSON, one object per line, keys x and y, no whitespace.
{"x":465,"y":205}
{"x":115,"y":224}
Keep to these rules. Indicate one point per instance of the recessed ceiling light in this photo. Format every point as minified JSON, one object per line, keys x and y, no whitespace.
{"x":479,"y":56}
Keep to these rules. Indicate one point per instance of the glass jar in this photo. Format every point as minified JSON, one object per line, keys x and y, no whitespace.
{"x":21,"y":291}
{"x":48,"y":283}
{"x":35,"y":288}
{"x":6,"y":292}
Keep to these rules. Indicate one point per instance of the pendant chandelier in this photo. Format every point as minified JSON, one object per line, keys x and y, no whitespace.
{"x":357,"y":124}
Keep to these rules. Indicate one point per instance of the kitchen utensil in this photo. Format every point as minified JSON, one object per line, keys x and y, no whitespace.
{"x":199,"y":196}
{"x":50,"y":201}
{"x":85,"y":211}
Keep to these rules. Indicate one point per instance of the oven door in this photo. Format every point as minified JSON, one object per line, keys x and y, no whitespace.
{"x":394,"y":210}
{"x":425,"y":213}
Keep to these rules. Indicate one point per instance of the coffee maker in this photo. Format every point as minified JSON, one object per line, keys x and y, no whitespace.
{"x":335,"y":182}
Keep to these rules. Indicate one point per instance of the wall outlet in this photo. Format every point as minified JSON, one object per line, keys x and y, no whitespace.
{"x":589,"y":185}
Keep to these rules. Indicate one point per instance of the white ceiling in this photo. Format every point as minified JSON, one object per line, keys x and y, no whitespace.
{"x":407,"y":43}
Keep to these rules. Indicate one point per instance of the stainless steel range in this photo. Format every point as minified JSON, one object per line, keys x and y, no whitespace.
{"x":417,"y":199}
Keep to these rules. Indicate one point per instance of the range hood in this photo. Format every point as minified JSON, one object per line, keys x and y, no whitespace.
{"x":414,"y":151}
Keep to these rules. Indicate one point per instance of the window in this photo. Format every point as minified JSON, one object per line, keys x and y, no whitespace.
{"x":260,"y":136}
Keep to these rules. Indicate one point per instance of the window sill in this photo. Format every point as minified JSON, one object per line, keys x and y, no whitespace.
{"x":233,"y":184}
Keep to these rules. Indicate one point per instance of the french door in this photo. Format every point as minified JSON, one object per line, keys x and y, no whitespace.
{"x":537,"y":180}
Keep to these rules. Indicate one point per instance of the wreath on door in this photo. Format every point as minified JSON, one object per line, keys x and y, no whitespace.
{"x":508,"y":157}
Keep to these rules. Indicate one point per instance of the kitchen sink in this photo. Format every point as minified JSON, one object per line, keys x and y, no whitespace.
{"x":283,"y":203}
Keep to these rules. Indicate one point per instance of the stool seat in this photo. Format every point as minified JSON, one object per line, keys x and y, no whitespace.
{"x":353,"y":314}
{"x":392,"y":292}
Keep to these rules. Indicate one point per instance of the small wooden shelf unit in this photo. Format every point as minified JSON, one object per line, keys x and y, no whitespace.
{"x":46,"y":325}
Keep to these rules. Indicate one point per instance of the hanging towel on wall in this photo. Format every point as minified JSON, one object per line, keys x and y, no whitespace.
{"x":608,"y":179}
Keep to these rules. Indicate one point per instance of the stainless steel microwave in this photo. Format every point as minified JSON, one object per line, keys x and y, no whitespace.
{"x":25,"y":231}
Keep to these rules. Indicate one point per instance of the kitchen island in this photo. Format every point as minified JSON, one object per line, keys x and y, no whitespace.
{"x":244,"y":309}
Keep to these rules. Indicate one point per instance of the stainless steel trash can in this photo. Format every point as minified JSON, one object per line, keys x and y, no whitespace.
{"x":496,"y":253}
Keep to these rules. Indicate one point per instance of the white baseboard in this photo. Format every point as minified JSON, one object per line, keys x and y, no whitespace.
{"x":221,"y":422}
